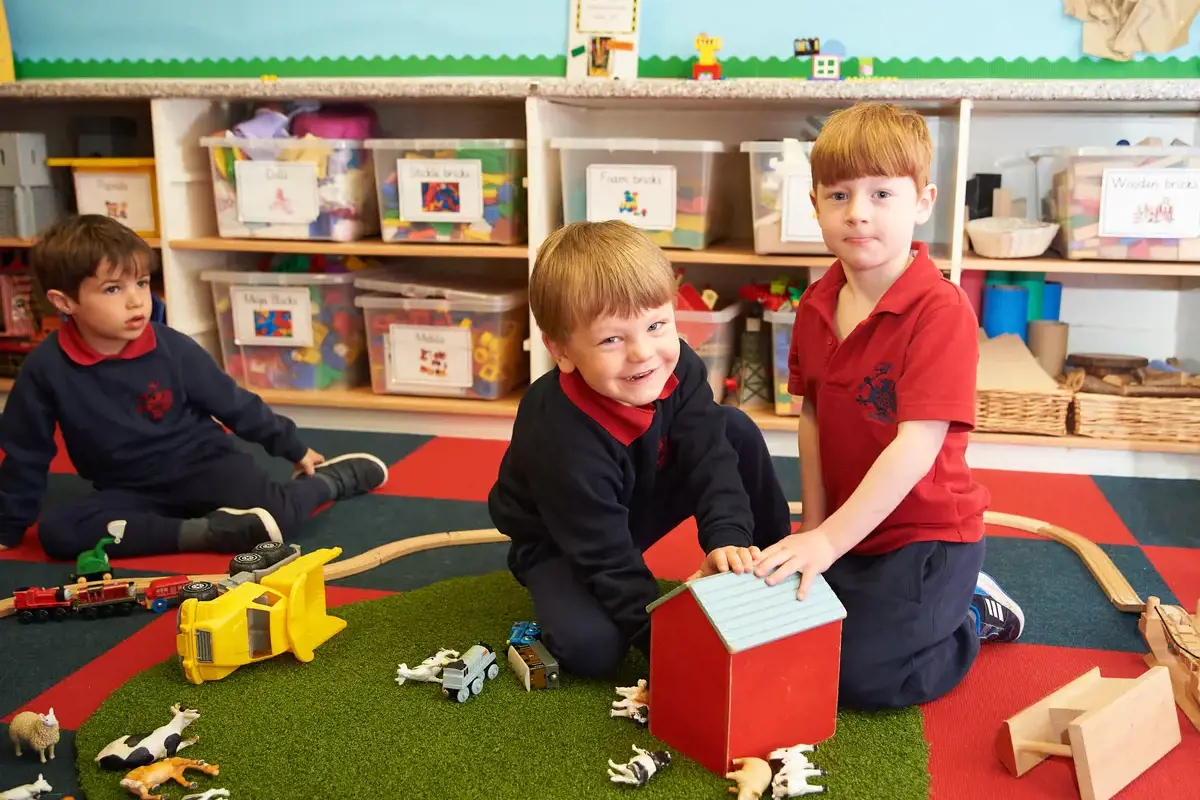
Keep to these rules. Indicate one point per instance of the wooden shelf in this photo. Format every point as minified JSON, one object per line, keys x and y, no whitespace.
{"x":365,"y":399}
{"x":365,"y":247}
{"x":742,"y":254}
{"x":153,"y":241}
{"x":1063,"y":266}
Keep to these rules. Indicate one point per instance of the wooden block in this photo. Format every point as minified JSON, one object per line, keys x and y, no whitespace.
{"x":1189,"y":249}
{"x":1087,"y":192}
{"x":1164,"y":252}
{"x":1001,"y":203}
{"x":1114,"y":252}
{"x":1082,"y":232}
{"x":1019,"y":208}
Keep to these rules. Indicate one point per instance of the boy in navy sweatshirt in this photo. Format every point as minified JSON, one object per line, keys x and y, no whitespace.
{"x":136,"y":401}
{"x":616,"y":446}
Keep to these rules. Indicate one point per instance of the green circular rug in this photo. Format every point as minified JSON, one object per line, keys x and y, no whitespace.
{"x":340,"y":726}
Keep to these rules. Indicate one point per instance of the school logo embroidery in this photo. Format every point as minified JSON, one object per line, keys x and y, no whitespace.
{"x":878,"y":392}
{"x":663,"y":452}
{"x":155,"y":402}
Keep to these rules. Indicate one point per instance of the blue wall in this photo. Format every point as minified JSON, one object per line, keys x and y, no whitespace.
{"x":214,"y":29}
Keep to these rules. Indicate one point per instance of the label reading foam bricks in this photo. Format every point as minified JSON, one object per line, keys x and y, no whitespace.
{"x":643,"y":196}
{"x":276,"y":317}
{"x":1150,"y":204}
{"x":428,"y":355}
{"x":440,"y":189}
{"x":799,"y":217}
{"x":277,"y":192}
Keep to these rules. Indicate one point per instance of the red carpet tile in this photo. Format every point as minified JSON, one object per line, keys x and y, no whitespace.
{"x":1180,"y":569}
{"x":961,"y":727}
{"x":1073,"y":502}
{"x":677,"y":555}
{"x":447,"y":469}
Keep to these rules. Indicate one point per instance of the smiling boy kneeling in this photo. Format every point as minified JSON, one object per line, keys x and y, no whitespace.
{"x":616,"y":446}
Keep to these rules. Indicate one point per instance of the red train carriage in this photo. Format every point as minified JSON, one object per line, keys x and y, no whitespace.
{"x":162,"y":593}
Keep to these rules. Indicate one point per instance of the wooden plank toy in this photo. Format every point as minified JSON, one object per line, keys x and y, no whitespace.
{"x":1114,"y":729}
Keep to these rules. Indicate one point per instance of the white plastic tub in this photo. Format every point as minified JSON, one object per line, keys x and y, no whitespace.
{"x":306,"y":188}
{"x":714,"y":337}
{"x":781,"y":322}
{"x":668,"y":187}
{"x":780,"y":182}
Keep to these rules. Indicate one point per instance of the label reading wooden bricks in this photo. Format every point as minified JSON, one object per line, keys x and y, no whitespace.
{"x":643,"y":196}
{"x":277,"y":192}
{"x":429,"y":355}
{"x":275,"y":317}
{"x":1150,"y":203}
{"x":440,"y":189}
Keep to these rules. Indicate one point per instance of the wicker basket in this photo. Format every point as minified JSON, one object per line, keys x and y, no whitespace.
{"x":1154,"y":419}
{"x":1010,"y":237}
{"x":999,"y":411}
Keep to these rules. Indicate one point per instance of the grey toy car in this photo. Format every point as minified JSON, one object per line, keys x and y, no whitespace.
{"x":464,"y":677}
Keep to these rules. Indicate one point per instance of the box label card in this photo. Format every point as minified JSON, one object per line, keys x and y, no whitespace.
{"x":123,"y":196}
{"x":1150,"y":203}
{"x":429,"y":355}
{"x":643,"y":196}
{"x":440,"y":189}
{"x":277,"y":192}
{"x":275,"y":317}
{"x":799,"y":218}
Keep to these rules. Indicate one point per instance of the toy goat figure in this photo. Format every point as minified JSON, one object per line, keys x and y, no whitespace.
{"x":639,"y":769}
{"x":27,"y":791}
{"x":753,"y":777}
{"x":145,"y":748}
{"x":428,"y":670}
{"x":143,"y":780}
{"x":38,"y":731}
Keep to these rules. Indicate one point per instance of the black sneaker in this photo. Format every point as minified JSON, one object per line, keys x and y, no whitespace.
{"x":998,"y":618}
{"x":352,"y":474}
{"x":238,"y":530}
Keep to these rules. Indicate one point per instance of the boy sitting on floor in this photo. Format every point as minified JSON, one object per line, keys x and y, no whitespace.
{"x":884,"y":354}
{"x":135,"y":401}
{"x":616,"y":446}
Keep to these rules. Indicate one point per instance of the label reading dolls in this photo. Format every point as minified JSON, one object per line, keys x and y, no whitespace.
{"x":429,"y":356}
{"x":643,"y":196}
{"x":272,"y":316}
{"x":277,"y":192}
{"x":440,"y":189}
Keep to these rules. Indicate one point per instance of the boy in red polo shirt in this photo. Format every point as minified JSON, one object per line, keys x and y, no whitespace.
{"x":884,"y":354}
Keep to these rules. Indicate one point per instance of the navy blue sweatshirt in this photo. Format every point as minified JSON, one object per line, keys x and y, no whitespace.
{"x":137,"y":420}
{"x":578,"y":480}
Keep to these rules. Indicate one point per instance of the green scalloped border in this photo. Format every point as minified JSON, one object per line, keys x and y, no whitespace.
{"x":556,"y":66}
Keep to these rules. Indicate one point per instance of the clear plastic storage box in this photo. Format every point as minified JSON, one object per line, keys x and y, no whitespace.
{"x":714,"y":337}
{"x":780,"y":182}
{"x":445,"y":337}
{"x":295,"y":188}
{"x":668,"y":187}
{"x":468,"y":191}
{"x":289,"y":330}
{"x":781,"y":322}
{"x":1126,"y":203}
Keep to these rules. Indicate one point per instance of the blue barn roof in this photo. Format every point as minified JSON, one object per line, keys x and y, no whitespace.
{"x":747,"y":613}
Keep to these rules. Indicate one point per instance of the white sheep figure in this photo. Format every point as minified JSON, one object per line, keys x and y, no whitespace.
{"x":28,"y":791}
{"x":38,"y":731}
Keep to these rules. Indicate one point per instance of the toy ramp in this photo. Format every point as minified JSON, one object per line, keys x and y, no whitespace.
{"x":303,"y":583}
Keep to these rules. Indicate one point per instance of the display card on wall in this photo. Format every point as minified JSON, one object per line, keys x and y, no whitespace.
{"x":440,"y":189}
{"x":602,"y":40}
{"x":277,"y":192}
{"x":272,"y":316}
{"x":642,"y":195}
{"x":428,"y":356}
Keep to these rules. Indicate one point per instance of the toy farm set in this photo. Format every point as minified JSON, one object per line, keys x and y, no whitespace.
{"x":743,"y":645}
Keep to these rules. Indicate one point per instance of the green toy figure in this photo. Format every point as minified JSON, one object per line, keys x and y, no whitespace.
{"x":92,"y":565}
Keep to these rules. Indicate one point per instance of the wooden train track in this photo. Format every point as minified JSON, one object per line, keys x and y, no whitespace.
{"x":1114,"y":584}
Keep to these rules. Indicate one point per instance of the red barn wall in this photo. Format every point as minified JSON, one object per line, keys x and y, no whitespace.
{"x":689,"y":683}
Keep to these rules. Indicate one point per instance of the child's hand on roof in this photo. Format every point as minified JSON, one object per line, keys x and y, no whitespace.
{"x":724,"y":559}
{"x":810,"y":553}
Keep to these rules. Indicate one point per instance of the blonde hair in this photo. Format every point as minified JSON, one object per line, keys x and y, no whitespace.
{"x":871,"y":140}
{"x":586,"y":270}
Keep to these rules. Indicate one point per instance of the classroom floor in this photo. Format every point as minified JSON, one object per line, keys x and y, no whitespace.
{"x":440,"y":484}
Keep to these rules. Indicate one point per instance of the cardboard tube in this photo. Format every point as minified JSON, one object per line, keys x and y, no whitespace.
{"x":1048,"y":343}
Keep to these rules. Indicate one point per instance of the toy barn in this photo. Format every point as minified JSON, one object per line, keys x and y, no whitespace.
{"x":739,"y":668}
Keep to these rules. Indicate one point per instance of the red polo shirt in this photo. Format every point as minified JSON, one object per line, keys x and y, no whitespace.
{"x":914,"y":358}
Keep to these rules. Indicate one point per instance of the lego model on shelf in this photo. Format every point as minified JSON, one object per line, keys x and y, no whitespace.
{"x":451,"y":190}
{"x":706,"y":66}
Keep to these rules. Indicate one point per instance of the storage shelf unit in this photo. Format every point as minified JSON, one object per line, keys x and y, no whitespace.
{"x":976,"y":125}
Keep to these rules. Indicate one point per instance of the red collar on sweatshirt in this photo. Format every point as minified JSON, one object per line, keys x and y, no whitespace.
{"x":72,"y":343}
{"x":624,"y":423}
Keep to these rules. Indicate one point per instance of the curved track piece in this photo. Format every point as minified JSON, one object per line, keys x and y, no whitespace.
{"x":1120,"y":593}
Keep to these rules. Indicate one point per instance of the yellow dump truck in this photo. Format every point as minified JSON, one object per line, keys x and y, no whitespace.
{"x":259,"y":615}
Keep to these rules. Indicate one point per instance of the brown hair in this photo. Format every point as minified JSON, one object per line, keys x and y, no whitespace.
{"x":72,"y":249}
{"x":872,"y":140}
{"x":590,"y":269}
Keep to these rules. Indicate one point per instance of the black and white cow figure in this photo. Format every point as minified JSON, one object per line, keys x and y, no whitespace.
{"x":141,"y":749}
{"x":639,"y":769}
